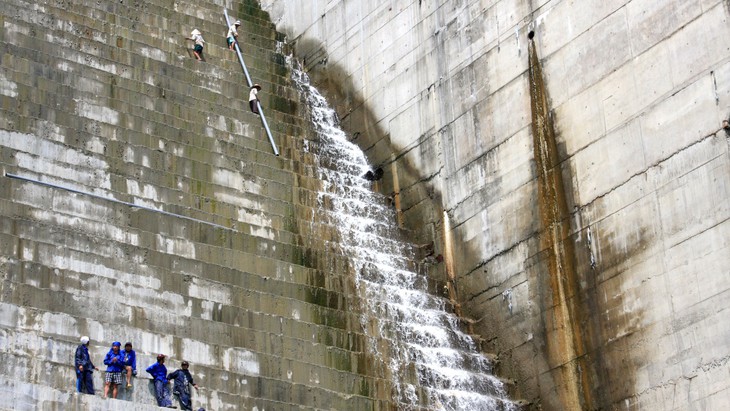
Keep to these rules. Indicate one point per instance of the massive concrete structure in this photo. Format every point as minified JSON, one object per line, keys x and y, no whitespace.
{"x":567,"y":160}
{"x":573,"y":156}
{"x":140,"y":201}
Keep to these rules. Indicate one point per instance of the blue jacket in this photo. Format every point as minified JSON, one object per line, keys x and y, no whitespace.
{"x":113,"y":366}
{"x":158,"y":371}
{"x":130,"y":359}
{"x":82,"y":358}
{"x":181,"y":378}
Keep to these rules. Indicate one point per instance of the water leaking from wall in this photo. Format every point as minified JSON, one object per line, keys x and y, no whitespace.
{"x":564,"y":310}
{"x":414,"y":341}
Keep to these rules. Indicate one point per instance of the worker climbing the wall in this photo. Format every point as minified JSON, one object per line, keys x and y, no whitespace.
{"x":232,"y":35}
{"x":181,"y":388}
{"x":84,"y":367}
{"x":115,"y":365}
{"x":130,"y":362}
{"x":162,"y":388}
{"x":253,"y":98}
{"x":197,"y":37}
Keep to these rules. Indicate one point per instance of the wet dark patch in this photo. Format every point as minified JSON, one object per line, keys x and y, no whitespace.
{"x":562,"y":311}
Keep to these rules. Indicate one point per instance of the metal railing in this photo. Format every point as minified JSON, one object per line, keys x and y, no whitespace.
{"x":250,"y":84}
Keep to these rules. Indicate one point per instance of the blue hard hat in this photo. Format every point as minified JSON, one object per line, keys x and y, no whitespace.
{"x":117,"y":344}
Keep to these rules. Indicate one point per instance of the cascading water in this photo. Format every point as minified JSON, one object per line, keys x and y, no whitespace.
{"x":430,"y":363}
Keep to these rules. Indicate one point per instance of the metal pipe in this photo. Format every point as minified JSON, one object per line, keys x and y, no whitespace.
{"x":250,"y":83}
{"x":114,"y":200}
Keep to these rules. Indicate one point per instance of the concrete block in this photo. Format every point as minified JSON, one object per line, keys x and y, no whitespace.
{"x":650,"y":23}
{"x":597,"y":52}
{"x":700,"y":59}
{"x":608,"y":163}
{"x":689,"y":106}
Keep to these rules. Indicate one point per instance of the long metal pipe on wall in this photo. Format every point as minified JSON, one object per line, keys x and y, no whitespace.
{"x":250,"y":83}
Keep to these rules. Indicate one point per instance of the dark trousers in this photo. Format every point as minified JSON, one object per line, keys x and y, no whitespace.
{"x":86,"y":382}
{"x":184,"y":398}
{"x":162,"y":394}
{"x":254,"y":106}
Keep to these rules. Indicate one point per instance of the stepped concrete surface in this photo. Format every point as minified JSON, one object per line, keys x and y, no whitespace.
{"x":140,"y":201}
{"x":568,"y":160}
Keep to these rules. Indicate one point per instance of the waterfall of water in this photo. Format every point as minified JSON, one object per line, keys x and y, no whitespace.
{"x":431,"y":364}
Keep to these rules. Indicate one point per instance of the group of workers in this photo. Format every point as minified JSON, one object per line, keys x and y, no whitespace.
{"x":231,"y":38}
{"x":123,"y":363}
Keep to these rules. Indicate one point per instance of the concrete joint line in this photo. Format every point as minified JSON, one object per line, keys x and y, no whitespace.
{"x":114,"y":200}
{"x":656,"y":164}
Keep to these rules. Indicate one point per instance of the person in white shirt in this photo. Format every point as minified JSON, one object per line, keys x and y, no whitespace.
{"x":253,"y":98}
{"x":233,"y":34}
{"x":197,"y":37}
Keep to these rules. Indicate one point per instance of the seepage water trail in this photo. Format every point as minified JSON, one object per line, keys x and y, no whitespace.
{"x":429,"y":362}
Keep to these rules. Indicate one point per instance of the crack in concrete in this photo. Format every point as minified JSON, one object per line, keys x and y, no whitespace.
{"x":705,"y":367}
{"x":652,"y":166}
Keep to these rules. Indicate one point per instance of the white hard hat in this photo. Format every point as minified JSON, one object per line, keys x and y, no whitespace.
{"x":84,"y":340}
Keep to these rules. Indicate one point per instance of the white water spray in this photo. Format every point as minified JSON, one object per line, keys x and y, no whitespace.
{"x":430,"y":362}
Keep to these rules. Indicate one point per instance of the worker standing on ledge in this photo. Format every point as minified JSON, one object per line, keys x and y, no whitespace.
{"x":232,"y":35}
{"x":253,"y":98}
{"x":115,"y":365}
{"x":183,"y":380}
{"x":159,"y":376}
{"x":84,"y":367}
{"x":197,"y":37}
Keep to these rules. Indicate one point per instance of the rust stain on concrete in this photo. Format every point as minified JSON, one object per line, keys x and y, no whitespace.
{"x":565,"y":347}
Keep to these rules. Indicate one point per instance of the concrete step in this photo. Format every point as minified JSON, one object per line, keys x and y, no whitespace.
{"x":273,"y":351}
{"x":80,"y":253}
{"x":236,"y":200}
{"x":33,"y":196}
{"x":198,"y":290}
{"x":31,"y":397}
{"x":167,"y":239}
{"x":167,"y":199}
{"x":153,"y":35}
{"x":97,"y":215}
{"x":162,"y":21}
{"x":178,"y":75}
{"x":155,"y":92}
{"x":129,"y":71}
{"x":55,"y":358}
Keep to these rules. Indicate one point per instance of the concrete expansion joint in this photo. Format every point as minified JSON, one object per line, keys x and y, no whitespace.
{"x":654,"y":165}
{"x":705,"y":367}
{"x":496,"y":148}
{"x":506,"y":251}
{"x":422,"y":139}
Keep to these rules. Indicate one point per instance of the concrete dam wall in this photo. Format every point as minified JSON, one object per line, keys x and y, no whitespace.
{"x":141,"y":202}
{"x":557,"y":175}
{"x":569,"y":160}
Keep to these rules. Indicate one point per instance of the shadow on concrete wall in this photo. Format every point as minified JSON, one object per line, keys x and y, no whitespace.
{"x":579,"y":365}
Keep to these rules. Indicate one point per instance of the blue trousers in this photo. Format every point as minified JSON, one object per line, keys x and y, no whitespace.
{"x":162,"y":394}
{"x":185,"y":403}
{"x":85,"y":382}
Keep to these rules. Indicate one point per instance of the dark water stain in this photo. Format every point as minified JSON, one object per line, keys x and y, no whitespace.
{"x":577,"y":337}
{"x":573,"y":337}
{"x":565,"y":346}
